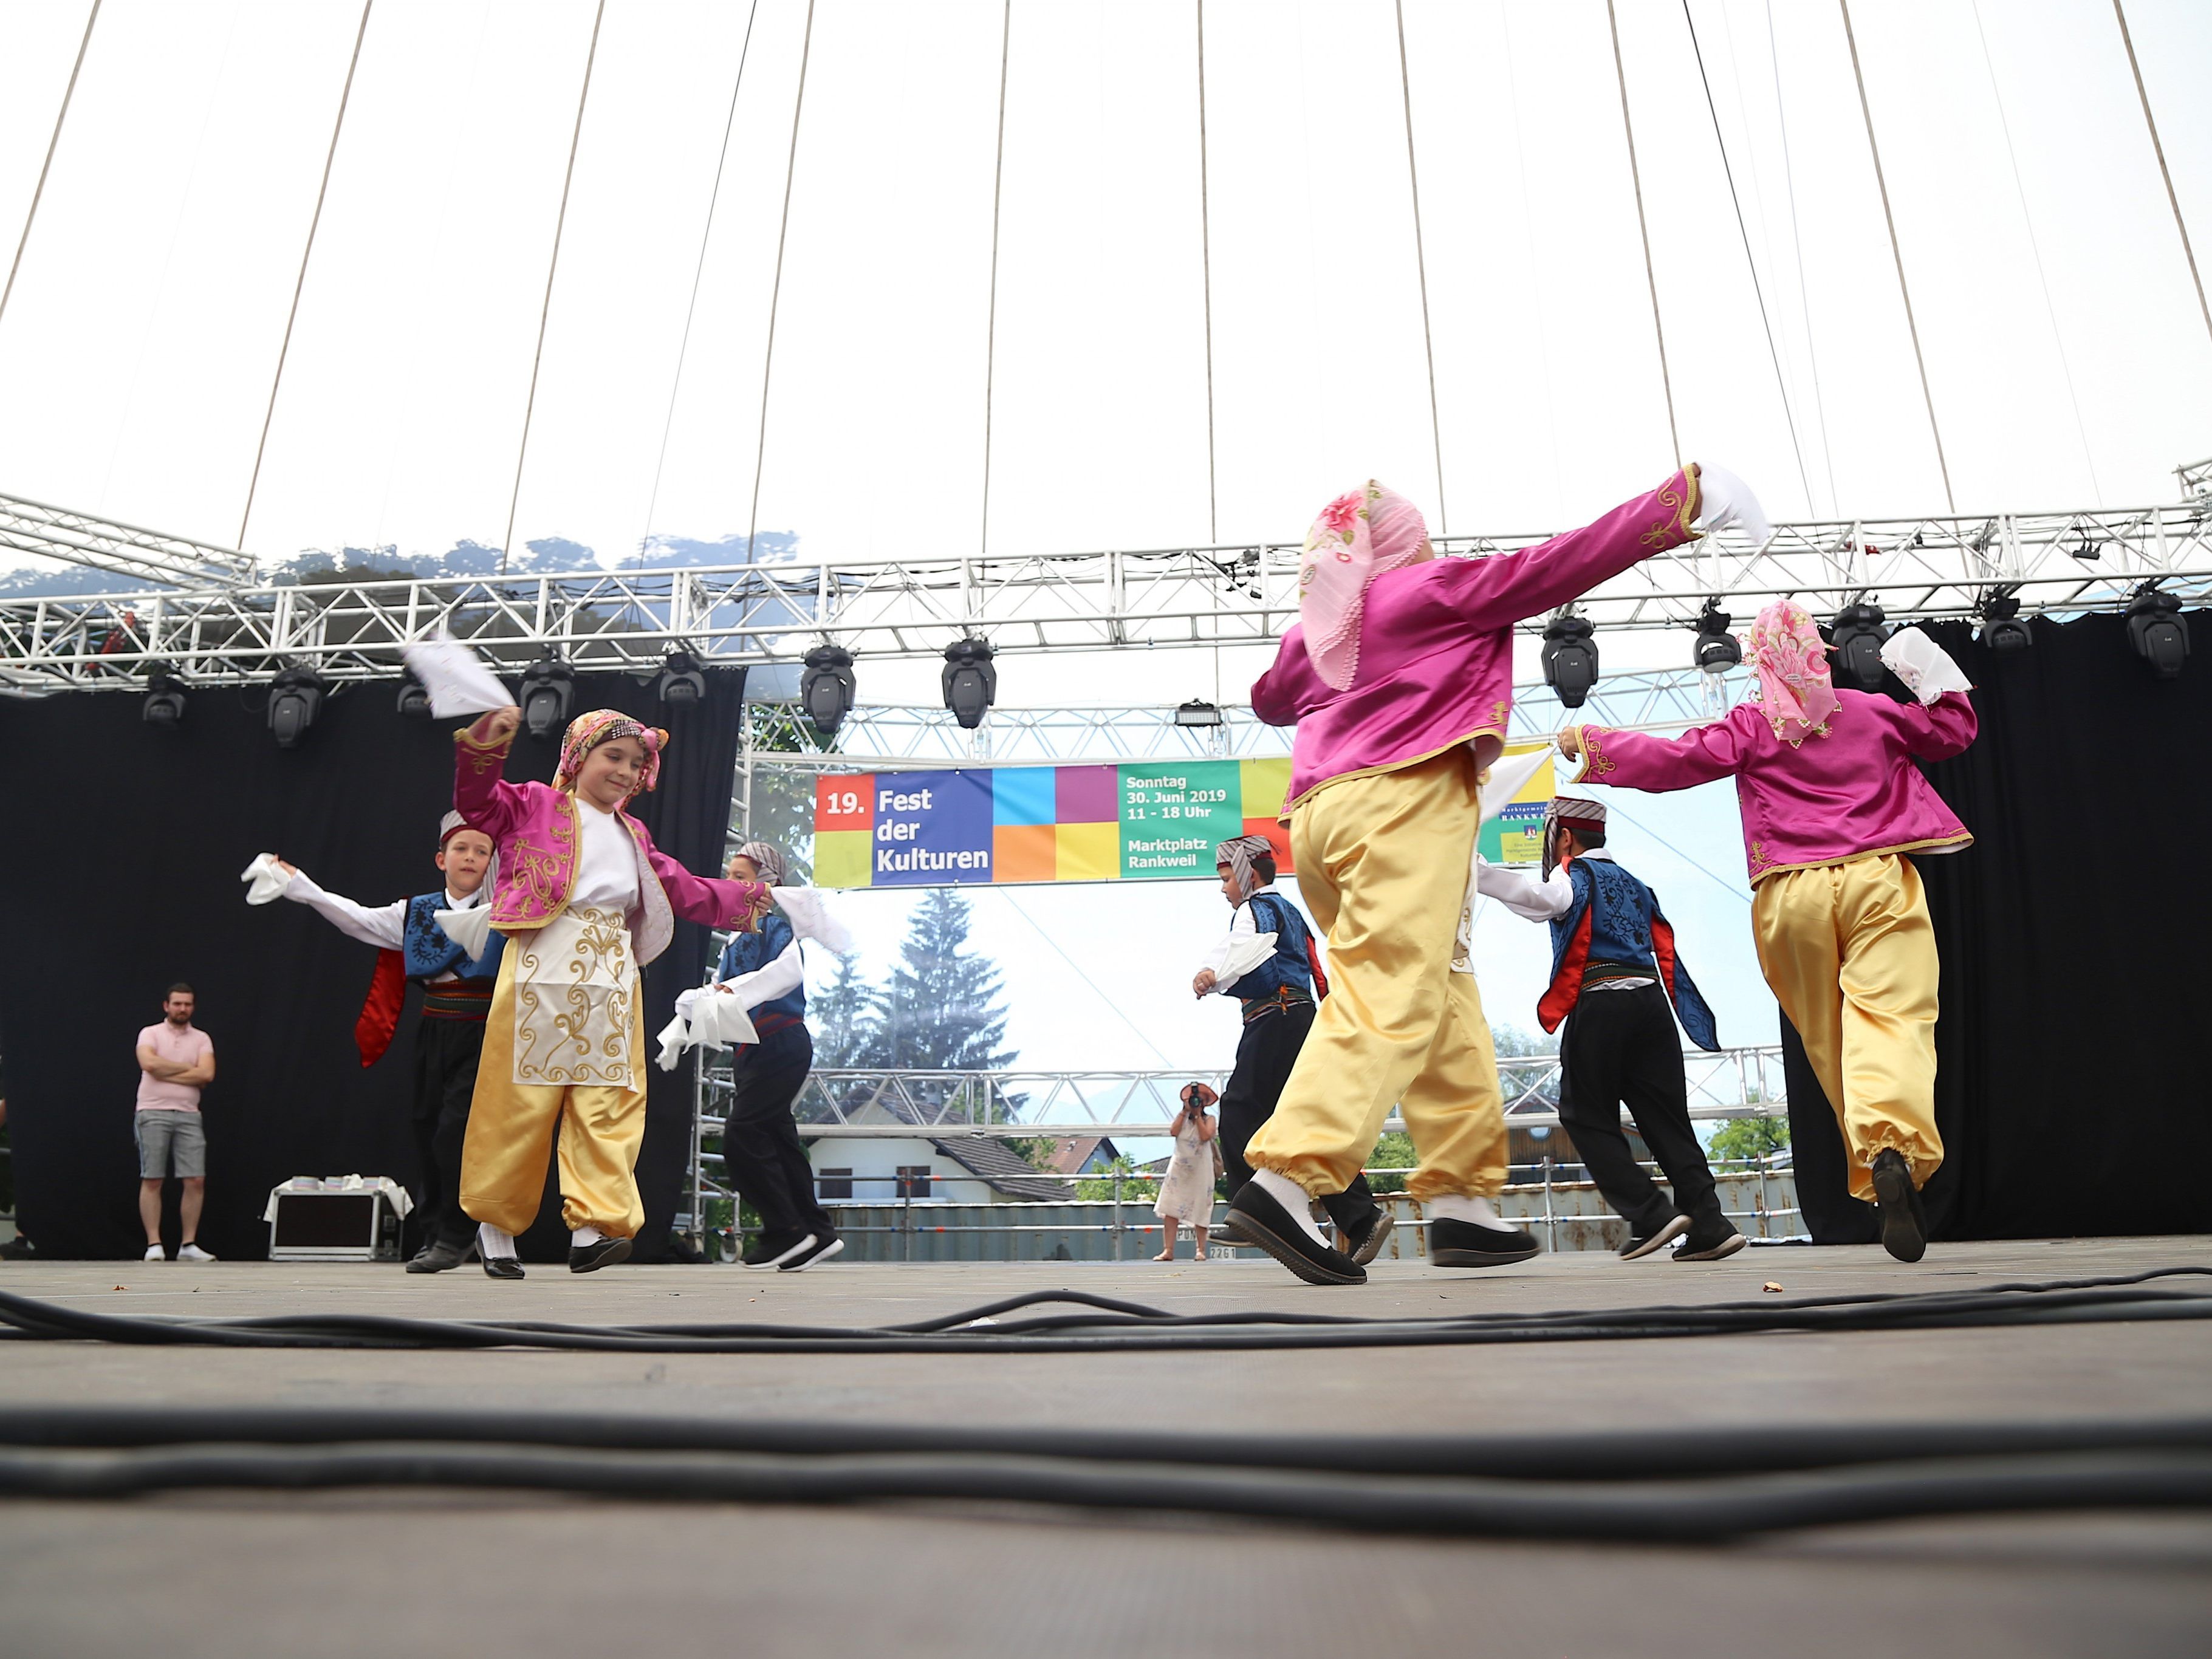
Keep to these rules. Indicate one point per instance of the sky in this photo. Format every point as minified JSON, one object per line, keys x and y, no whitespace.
{"x":2066,"y":357}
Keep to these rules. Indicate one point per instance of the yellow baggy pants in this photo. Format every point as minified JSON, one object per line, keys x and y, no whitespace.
{"x":1849,"y":953}
{"x":511,"y":1126}
{"x":1382,"y":863}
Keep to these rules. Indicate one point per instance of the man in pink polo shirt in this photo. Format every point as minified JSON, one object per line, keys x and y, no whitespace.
{"x":175,"y":1060}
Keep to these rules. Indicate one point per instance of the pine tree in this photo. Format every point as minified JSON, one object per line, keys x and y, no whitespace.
{"x":941,"y":1011}
{"x":848,"y":1018}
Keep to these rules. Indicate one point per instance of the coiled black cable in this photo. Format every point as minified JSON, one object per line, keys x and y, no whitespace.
{"x":1112,"y":1324}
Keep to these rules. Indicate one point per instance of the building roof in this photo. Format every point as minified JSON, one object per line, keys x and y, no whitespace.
{"x":1071,"y":1156}
{"x":1003,"y":1169}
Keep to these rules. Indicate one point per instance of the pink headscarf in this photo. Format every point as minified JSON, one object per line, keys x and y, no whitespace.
{"x":1795,"y":690}
{"x":1358,"y":537}
{"x":587,"y":731}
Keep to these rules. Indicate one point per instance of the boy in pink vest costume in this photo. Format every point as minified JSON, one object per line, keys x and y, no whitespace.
{"x":1832,"y":805}
{"x":586,"y":900}
{"x":1398,"y":678}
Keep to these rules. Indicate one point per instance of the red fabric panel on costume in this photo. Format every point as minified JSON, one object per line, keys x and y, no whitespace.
{"x":1567,"y":984}
{"x":1313,"y":960}
{"x":379,"y":1009}
{"x":1662,"y":951}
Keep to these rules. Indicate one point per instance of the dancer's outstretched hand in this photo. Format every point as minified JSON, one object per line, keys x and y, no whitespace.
{"x":1726,"y":499}
{"x":500,"y":724}
{"x":1570,"y":742}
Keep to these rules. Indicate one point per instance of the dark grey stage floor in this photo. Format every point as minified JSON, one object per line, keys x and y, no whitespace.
{"x":411,"y":1573}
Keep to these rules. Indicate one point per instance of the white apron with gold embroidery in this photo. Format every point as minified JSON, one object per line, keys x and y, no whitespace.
{"x":576,"y":1001}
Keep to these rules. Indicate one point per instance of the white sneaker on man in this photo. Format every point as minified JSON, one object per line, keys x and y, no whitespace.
{"x":193,"y":1252}
{"x":156,"y":1253}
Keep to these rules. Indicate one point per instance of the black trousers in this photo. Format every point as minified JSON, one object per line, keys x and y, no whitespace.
{"x":761,"y":1148}
{"x":446,"y":1055}
{"x":1620,"y":1047}
{"x":1265,"y":1054}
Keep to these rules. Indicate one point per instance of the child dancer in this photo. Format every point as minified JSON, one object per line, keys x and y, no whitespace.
{"x":586,"y":900}
{"x":1832,"y":805}
{"x":1187,"y":1192}
{"x":1277,"y":995}
{"x":1398,"y":678}
{"x":449,"y":1037}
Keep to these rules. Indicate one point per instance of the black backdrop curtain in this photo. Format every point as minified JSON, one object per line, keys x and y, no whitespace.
{"x":2068,"y":1090}
{"x":122,"y":859}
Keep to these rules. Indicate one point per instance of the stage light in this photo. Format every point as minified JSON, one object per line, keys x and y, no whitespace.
{"x":2157,"y":632}
{"x":826,"y":689}
{"x":2003,"y":629}
{"x":682,"y":684}
{"x":2087,"y":550}
{"x":547,"y":686}
{"x":971,"y":684}
{"x":295,"y":697}
{"x":1570,"y":657}
{"x":1197,"y":712}
{"x":1717,"y":650}
{"x":1856,"y":640}
{"x":414,"y":700}
{"x":164,"y":697}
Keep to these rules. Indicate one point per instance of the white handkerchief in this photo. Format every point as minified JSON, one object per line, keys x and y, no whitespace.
{"x":1246,"y":952}
{"x":268,"y":881}
{"x":456,"y":679}
{"x":705,"y":1017}
{"x":470,"y":929}
{"x":1508,"y":775}
{"x":1924,"y":666}
{"x":811,"y":919}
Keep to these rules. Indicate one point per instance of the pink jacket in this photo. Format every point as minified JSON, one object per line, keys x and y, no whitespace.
{"x":535,"y":832}
{"x":1848,"y":795}
{"x":1435,"y":645}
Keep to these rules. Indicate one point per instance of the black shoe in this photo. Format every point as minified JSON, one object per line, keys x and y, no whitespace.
{"x":19,"y":1248}
{"x":1454,"y":1244}
{"x":1640,"y":1245}
{"x":600,"y":1253}
{"x":1364,"y":1243}
{"x":1260,"y":1219}
{"x":772,"y":1249}
{"x":1710,"y":1243}
{"x":1904,"y":1226}
{"x":501,"y":1267}
{"x":441,"y":1255}
{"x":820,"y":1247}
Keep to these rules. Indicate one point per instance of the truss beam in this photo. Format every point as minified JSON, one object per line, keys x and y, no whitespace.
{"x":122,"y":550}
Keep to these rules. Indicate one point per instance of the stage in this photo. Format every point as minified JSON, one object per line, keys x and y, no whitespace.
{"x":380,"y":1572}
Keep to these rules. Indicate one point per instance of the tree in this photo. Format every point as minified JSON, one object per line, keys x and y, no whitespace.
{"x":848,"y":1017}
{"x":942,"y":1011}
{"x":1743,"y":1139}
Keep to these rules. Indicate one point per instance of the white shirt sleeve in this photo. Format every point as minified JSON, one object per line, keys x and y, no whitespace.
{"x":1529,"y":897}
{"x":1240,"y":926}
{"x":384,"y":927}
{"x":787,"y":973}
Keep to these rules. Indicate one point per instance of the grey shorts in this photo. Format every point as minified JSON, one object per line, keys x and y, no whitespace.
{"x":171,"y":1144}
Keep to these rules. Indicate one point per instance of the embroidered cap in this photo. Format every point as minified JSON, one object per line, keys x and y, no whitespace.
{"x":1567,"y":811}
{"x":1238,"y":853}
{"x":767,"y":858}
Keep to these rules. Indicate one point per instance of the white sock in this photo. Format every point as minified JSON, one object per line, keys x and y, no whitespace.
{"x":1457,"y":1207}
{"x":1292,"y":1197}
{"x":583,"y":1237}
{"x":493,"y":1244}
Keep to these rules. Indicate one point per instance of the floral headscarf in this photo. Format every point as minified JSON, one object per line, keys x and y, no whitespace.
{"x":1795,"y":690}
{"x":1237,"y":852}
{"x":1358,"y":537}
{"x":587,"y":731}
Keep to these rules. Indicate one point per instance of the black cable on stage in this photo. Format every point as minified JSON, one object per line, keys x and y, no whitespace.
{"x":1119,"y":1325}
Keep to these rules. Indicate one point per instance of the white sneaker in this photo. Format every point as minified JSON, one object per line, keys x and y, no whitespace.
{"x":156,"y":1253}
{"x":193,"y":1252}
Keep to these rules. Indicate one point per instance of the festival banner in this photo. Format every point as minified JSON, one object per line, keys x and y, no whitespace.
{"x":1144,"y":820}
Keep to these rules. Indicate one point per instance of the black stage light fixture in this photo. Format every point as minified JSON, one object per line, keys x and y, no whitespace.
{"x":1570,"y":658}
{"x":1856,"y":639}
{"x":295,"y":697}
{"x":1717,"y":650}
{"x":2157,"y":632}
{"x":826,"y":688}
{"x":2003,"y":629}
{"x":1197,"y":712}
{"x":548,"y":684}
{"x":971,"y":684}
{"x":682,"y":683}
{"x":164,"y":697}
{"x":413,"y":699}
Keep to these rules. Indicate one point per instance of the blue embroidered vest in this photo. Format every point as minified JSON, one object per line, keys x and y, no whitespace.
{"x":1615,"y":918}
{"x":1291,"y":969}
{"x":748,"y":953}
{"x":427,"y":952}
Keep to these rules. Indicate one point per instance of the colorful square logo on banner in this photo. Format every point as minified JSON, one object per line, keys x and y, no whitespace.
{"x":844,"y":829}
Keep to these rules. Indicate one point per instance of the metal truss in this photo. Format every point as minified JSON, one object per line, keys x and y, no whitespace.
{"x":145,"y":556}
{"x":1916,"y":569}
{"x":2196,"y":480}
{"x":882,"y":1105}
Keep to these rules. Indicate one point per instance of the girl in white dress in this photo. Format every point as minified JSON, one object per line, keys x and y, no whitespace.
{"x":1187,"y":1192}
